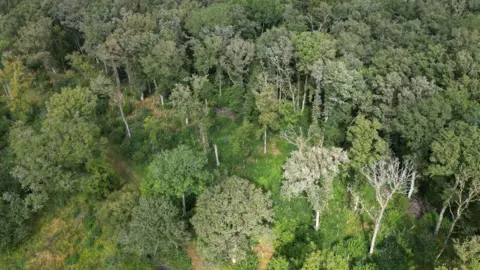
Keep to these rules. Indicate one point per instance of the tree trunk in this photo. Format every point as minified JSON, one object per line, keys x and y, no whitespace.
{"x":304,"y":93}
{"x":448,"y":238}
{"x":378,"y":222}
{"x":265,"y":141}
{"x":105,"y":68}
{"x":412,"y":188}
{"x":317,"y":220}
{"x":129,"y":135}
{"x":216,"y":155}
{"x":184,"y":208}
{"x":161,"y":100}
{"x":440,"y":219}
{"x":117,"y":78}
{"x":186,"y":121}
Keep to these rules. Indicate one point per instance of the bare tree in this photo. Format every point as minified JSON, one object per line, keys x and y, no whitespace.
{"x":387,"y":177}
{"x":467,"y":190}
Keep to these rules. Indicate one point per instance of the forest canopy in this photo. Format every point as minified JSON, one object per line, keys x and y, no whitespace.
{"x":240,"y":134}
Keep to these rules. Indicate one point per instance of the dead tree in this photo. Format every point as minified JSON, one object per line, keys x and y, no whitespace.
{"x":387,"y":177}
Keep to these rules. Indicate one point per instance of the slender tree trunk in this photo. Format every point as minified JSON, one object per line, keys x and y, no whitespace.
{"x":216,"y":155}
{"x":105,"y":68}
{"x":129,"y":135}
{"x":378,"y":222}
{"x":117,"y":77}
{"x":161,"y":100}
{"x":440,"y":219}
{"x":184,"y":207}
{"x":412,"y":188}
{"x":142,"y":96}
{"x":317,"y":220}
{"x":186,"y":121}
{"x":450,"y":231}
{"x":265,"y":141}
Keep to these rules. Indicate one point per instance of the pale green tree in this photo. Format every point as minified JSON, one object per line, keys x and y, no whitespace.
{"x":228,"y":217}
{"x":155,"y":228}
{"x":325,"y":260}
{"x":177,"y":172}
{"x":311,"y":170}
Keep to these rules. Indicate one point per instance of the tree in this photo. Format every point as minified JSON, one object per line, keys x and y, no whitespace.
{"x":387,"y":177}
{"x":468,"y":251}
{"x":276,"y":52}
{"x":182,"y":100}
{"x":243,"y":141}
{"x":325,"y":260}
{"x":466,"y":191}
{"x":454,"y":151}
{"x":310,"y":47}
{"x":155,"y":228}
{"x":342,"y":89}
{"x":366,"y":144}
{"x":265,"y":12}
{"x":14,"y":222}
{"x":67,"y":155}
{"x":164,"y":64}
{"x":176,"y":173}
{"x":267,"y":104}
{"x":16,"y":81}
{"x":312,"y":170}
{"x":230,"y":215}
{"x":103,"y":86}
{"x":236,"y":61}
{"x":35,"y":41}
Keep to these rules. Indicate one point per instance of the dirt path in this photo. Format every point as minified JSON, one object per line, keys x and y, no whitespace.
{"x":123,"y":170}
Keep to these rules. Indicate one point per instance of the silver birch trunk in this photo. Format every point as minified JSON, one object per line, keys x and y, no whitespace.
{"x":440,"y":219}
{"x":161,"y":100}
{"x":129,"y":135}
{"x":265,"y":141}
{"x":186,"y":121}
{"x":317,"y":220}
{"x":184,"y":208}
{"x":412,"y":188}
{"x":216,"y":155}
{"x":450,"y":231}
{"x":117,"y":77}
{"x":378,"y":222}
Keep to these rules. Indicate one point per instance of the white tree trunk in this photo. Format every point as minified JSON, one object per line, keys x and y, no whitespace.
{"x":412,"y":188}
{"x":265,"y":141}
{"x":129,"y":135}
{"x":161,"y":100}
{"x":216,"y":155}
{"x":317,"y":220}
{"x":186,"y":121}
{"x":378,"y":222}
{"x":184,"y":207}
{"x":142,"y":97}
{"x":440,"y":219}
{"x":447,"y":238}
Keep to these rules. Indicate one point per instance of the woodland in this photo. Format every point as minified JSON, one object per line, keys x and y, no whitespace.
{"x":240,"y":134}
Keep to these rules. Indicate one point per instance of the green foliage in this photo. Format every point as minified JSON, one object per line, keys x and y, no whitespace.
{"x":367,"y":146}
{"x":176,"y":172}
{"x":278,"y":263}
{"x":228,"y":216}
{"x":155,"y":228}
{"x":324,"y":259}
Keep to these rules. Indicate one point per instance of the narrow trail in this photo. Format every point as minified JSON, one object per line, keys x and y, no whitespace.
{"x":122,"y":168}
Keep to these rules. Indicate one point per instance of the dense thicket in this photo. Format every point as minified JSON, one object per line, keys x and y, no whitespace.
{"x":279,"y":134}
